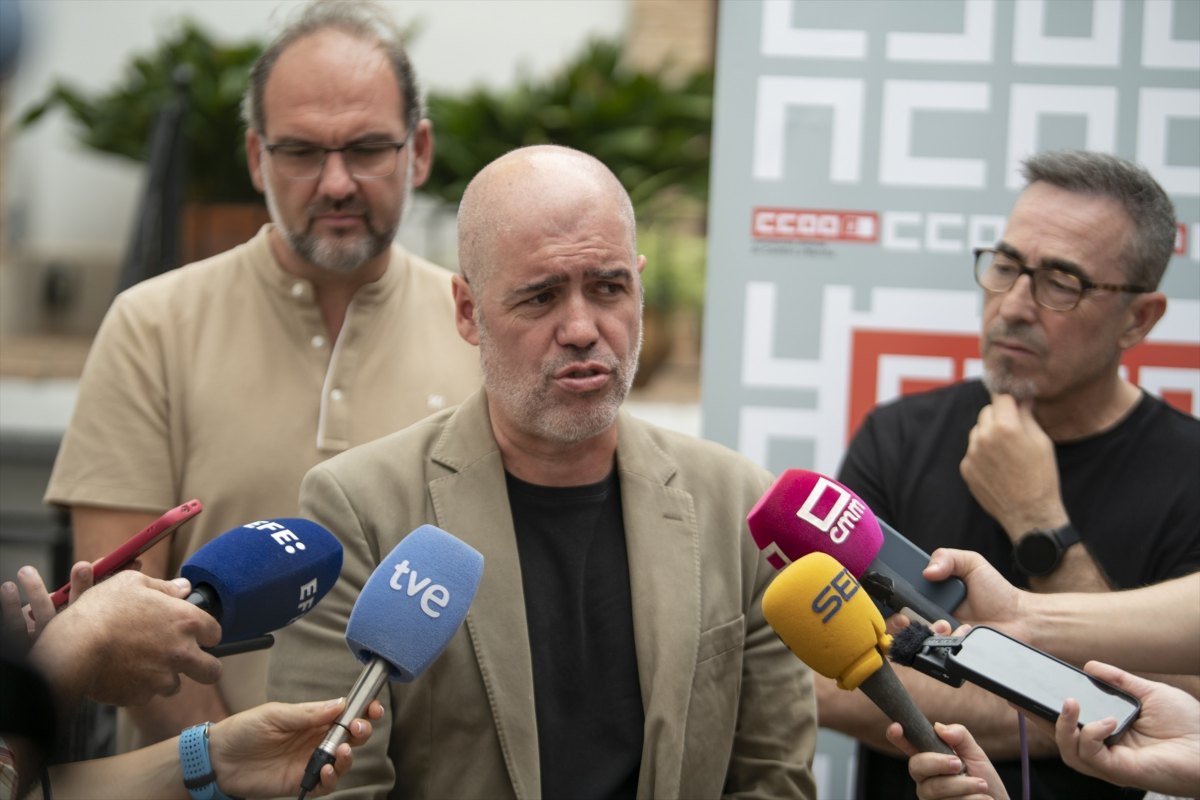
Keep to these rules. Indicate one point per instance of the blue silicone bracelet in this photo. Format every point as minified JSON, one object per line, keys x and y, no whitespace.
{"x":198,"y":776}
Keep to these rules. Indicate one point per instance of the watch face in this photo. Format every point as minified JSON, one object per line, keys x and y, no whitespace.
{"x":1037,"y":553}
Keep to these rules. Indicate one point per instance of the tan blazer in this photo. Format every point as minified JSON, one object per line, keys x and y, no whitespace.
{"x":728,"y":709}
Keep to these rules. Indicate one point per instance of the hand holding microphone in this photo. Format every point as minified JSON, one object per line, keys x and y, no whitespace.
{"x":121,"y":642}
{"x":966,"y":773}
{"x":411,"y":606}
{"x":823,"y":616}
{"x":804,"y":512}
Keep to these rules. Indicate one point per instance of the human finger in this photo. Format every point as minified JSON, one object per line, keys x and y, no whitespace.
{"x":41,"y":607}
{"x":343,"y":759}
{"x":200,"y":666}
{"x":15,"y":629}
{"x":1066,"y":727}
{"x":177,"y":587}
{"x":1127,"y":681}
{"x":895,"y":735}
{"x":941,"y":627}
{"x":82,"y":579}
{"x":947,"y":561}
{"x":1004,"y":407}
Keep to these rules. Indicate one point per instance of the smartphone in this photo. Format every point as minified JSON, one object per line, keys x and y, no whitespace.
{"x":1037,"y":682}
{"x":908,"y":561}
{"x":141,"y":542}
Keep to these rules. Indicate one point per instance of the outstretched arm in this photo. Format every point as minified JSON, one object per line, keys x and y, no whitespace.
{"x":1154,"y":628}
{"x":260,"y":752}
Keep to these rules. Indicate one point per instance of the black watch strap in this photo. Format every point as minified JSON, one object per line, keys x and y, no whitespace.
{"x":1067,"y":536}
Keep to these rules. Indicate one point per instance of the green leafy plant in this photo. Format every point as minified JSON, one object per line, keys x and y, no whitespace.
{"x":674,"y":274}
{"x":653,"y":134}
{"x":119,"y":121}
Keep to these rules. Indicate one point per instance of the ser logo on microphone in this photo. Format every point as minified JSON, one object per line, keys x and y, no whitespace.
{"x":832,"y":597}
{"x":839,"y":519}
{"x":434,"y":593}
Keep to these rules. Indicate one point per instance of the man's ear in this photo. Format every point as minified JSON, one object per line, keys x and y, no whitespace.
{"x":254,"y":159}
{"x":1142,"y":315}
{"x":422,"y":152}
{"x":464,"y":309}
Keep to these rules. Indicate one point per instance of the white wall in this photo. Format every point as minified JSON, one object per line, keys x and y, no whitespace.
{"x":64,"y":202}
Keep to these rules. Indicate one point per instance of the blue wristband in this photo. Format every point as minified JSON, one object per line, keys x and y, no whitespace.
{"x":198,"y":776}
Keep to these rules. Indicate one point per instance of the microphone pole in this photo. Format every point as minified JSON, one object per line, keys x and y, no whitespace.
{"x":364,"y":690}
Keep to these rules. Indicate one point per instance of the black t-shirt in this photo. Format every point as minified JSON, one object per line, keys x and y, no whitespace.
{"x":575,"y":574}
{"x":1129,"y":491}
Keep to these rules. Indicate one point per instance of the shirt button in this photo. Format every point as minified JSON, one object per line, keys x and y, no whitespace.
{"x":297,"y":289}
{"x":318,"y":341}
{"x":336,"y":394}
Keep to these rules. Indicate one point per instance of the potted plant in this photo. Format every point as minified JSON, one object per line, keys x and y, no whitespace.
{"x":222,"y":207}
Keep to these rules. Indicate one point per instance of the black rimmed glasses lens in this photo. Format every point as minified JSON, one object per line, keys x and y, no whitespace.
{"x":364,"y":160}
{"x":1055,"y":289}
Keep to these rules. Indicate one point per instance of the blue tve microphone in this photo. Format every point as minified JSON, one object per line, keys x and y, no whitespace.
{"x":263,"y":575}
{"x":409,"y":609}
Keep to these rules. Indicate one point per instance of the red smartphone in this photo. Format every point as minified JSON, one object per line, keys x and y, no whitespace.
{"x":139,"y":543}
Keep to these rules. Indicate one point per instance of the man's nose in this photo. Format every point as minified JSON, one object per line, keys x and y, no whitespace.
{"x":336,"y":180}
{"x":1018,"y":302}
{"x":578,"y":325}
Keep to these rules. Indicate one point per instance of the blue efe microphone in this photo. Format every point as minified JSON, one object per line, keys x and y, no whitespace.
{"x":406,"y":614}
{"x":261,"y":576}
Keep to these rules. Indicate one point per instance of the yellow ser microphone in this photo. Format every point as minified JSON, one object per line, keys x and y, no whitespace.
{"x":827,"y":620}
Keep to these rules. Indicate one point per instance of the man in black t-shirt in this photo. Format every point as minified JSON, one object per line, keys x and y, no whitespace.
{"x":1063,"y":474}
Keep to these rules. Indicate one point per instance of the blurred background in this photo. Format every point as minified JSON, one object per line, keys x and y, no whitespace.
{"x":88,"y":204}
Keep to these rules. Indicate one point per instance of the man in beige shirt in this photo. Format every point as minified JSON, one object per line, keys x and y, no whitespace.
{"x":226,"y":380}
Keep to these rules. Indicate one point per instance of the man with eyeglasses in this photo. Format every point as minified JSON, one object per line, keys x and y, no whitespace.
{"x":226,"y":380}
{"x":1062,"y":473}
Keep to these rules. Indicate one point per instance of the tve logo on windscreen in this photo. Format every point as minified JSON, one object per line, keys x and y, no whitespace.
{"x":434,"y":593}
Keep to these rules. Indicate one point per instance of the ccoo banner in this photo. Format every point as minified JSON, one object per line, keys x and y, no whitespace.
{"x":862,"y":149}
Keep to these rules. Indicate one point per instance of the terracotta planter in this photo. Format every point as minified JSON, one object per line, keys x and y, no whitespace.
{"x":211,"y":228}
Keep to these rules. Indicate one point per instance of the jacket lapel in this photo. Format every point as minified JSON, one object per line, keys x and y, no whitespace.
{"x":664,"y":578}
{"x":472,"y":503}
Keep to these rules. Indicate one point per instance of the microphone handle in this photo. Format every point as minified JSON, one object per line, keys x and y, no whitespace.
{"x":887,"y":692}
{"x":205,"y":597}
{"x":369,"y":682}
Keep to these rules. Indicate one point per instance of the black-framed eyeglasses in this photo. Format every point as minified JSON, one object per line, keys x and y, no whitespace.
{"x":1053,"y":288}
{"x":364,"y":160}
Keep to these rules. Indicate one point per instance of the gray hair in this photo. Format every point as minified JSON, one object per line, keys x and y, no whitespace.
{"x":1150,"y":246}
{"x":362,"y":19}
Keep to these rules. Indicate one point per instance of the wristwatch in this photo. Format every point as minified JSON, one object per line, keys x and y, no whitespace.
{"x":198,"y":776}
{"x":1039,"y":552}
